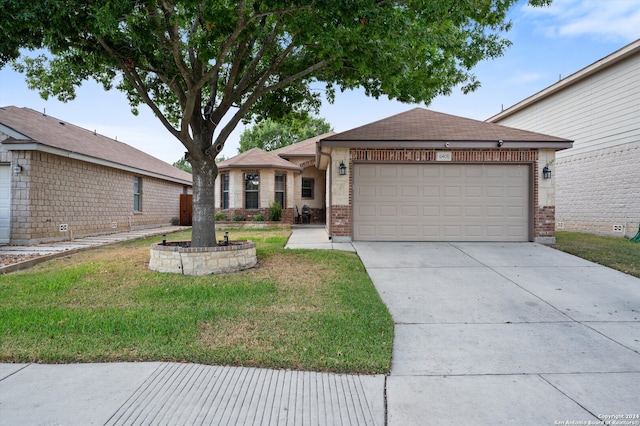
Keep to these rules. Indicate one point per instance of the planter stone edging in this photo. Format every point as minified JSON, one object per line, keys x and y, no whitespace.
{"x":174,"y":258}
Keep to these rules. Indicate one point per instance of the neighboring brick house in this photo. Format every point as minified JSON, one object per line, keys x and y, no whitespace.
{"x":250,"y":182}
{"x":598,"y":180}
{"x":59,"y":181}
{"x":427,"y":176}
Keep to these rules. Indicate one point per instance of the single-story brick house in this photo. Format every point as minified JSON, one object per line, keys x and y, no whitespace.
{"x":424,"y":176}
{"x":250,"y":182}
{"x":598,"y":107}
{"x":427,"y":176}
{"x":59,"y":181}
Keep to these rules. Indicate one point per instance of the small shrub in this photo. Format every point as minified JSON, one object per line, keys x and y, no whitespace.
{"x":275,"y":212}
{"x":219,"y":216}
{"x":258,"y":218}
{"x":238,"y":218}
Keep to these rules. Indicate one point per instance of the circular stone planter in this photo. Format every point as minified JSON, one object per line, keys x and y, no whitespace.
{"x":179,"y":257}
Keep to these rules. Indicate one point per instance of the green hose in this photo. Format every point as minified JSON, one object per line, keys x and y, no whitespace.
{"x":636,"y":239}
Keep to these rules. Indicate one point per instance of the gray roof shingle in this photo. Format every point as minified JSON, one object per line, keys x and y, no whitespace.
{"x":305,"y":148}
{"x":256,"y":158}
{"x":52,"y":132}
{"x":422,"y":125}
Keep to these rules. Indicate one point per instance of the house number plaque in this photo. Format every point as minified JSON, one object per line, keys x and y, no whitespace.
{"x":443,"y":156}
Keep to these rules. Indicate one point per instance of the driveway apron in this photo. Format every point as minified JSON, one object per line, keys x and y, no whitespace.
{"x":507,"y":333}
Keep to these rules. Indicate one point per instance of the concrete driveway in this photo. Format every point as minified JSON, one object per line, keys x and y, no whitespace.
{"x":506,"y":333}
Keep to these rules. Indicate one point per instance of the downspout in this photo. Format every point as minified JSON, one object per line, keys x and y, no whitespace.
{"x":330,"y":192}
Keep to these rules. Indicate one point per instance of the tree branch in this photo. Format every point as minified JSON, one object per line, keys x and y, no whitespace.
{"x":134,"y":78}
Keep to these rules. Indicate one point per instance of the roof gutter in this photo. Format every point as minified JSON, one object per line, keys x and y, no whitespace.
{"x":33,"y":146}
{"x":448,"y":144}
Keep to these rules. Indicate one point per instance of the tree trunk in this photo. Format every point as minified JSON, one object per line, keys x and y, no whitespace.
{"x":204,"y":179}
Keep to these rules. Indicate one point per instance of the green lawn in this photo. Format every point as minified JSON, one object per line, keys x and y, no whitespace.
{"x":614,"y":252}
{"x":299,"y":309}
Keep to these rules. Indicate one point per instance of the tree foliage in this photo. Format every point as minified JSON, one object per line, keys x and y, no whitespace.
{"x":270,"y":134}
{"x":182,"y":164}
{"x":204,"y":66}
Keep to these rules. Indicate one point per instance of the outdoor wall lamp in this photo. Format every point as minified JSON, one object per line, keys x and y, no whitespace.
{"x":17,"y":169}
{"x":546,"y":172}
{"x":342,"y":169}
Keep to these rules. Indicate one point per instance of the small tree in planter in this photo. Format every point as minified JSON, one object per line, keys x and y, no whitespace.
{"x":275,"y":212}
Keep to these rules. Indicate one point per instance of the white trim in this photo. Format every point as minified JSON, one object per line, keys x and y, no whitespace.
{"x":34,"y":146}
{"x":12,"y":133}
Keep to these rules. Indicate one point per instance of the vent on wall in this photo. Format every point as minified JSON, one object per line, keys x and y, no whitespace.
{"x":560,"y":225}
{"x":64,"y":227}
{"x":618,"y":228}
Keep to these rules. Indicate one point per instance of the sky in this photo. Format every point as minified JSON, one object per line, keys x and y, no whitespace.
{"x":548,"y":44}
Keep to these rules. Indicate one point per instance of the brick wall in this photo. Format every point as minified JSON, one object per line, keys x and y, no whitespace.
{"x":599,"y":189}
{"x":89,"y":198}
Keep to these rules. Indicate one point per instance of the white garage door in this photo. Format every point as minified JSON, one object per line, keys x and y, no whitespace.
{"x":5,"y":203}
{"x":441,"y":202}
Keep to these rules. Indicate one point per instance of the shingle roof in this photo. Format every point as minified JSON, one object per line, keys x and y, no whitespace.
{"x":256,"y":158}
{"x":305,"y":148}
{"x":422,"y":125}
{"x":35,"y":127}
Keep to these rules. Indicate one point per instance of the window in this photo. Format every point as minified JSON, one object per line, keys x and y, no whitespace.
{"x":307,"y":188}
{"x":225,"y":191}
{"x":251,"y":186}
{"x":137,"y":194}
{"x":280,"y":188}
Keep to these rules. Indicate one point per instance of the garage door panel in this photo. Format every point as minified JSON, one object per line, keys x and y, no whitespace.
{"x":495,"y":211}
{"x":516,"y":212}
{"x":495,"y":191}
{"x":473,"y":211}
{"x":473,"y":231}
{"x":430,"y":231}
{"x":431,"y":211}
{"x":366,"y":191}
{"x":389,"y":210}
{"x":452,"y":231}
{"x":452,"y":212}
{"x":516,"y":231}
{"x":409,"y":211}
{"x":473,"y":191}
{"x":451,"y":172}
{"x":450,"y":202}
{"x":408,"y":231}
{"x":366,"y":211}
{"x":388,"y":172}
{"x":388,"y":230}
{"x":431,"y":191}
{"x":410,"y":172}
{"x":366,"y":172}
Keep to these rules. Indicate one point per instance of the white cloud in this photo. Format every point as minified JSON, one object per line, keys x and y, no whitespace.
{"x":613,"y":20}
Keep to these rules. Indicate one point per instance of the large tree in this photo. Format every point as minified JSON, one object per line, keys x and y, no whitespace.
{"x":202,"y":66}
{"x":270,"y":134}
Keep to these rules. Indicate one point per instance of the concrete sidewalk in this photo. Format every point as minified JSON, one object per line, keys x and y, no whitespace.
{"x":314,"y":237}
{"x":55,"y":249}
{"x":184,"y":394}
